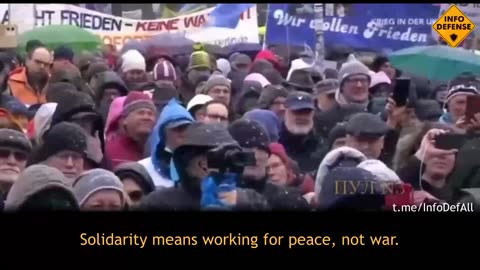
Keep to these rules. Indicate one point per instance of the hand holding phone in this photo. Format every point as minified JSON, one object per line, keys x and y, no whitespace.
{"x":473,"y":107}
{"x":450,"y":141}
{"x":428,"y":147}
{"x":401,"y":91}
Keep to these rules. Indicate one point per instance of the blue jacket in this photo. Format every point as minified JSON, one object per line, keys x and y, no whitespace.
{"x":173,"y":111}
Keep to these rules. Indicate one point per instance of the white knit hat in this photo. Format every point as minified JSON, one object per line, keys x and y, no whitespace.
{"x":133,"y":60}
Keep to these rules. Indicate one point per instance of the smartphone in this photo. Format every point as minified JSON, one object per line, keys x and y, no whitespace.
{"x":401,"y":91}
{"x":450,"y":141}
{"x":402,"y":195}
{"x":473,"y":106}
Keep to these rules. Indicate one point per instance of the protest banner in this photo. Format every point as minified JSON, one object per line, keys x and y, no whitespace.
{"x":360,"y":26}
{"x":116,"y":30}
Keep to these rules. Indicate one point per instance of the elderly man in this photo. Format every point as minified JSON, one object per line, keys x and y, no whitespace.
{"x":14,"y":151}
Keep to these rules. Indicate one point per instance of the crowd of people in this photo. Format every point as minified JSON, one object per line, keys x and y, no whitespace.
{"x":113,"y":131}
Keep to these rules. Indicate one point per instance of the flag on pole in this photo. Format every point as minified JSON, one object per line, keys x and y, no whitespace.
{"x":227,"y":15}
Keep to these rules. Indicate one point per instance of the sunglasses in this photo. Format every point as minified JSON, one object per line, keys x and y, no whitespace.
{"x":19,"y":156}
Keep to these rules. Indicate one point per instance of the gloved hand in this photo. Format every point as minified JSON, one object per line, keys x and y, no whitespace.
{"x":219,"y":191}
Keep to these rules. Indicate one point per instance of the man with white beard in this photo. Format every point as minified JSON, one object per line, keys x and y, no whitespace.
{"x":14,"y":151}
{"x":297,"y":134}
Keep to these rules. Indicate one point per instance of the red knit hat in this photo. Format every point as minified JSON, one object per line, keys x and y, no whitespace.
{"x":164,"y":71}
{"x":137,"y":100}
{"x":278,"y":150}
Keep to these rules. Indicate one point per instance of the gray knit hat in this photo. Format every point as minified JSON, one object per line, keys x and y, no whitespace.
{"x":216,"y":80}
{"x":95,"y":180}
{"x":352,"y":67}
{"x":15,"y":139}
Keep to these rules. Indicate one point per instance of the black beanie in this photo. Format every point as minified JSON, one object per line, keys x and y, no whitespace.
{"x":63,"y":136}
{"x":15,"y":139}
{"x":250,"y":134}
{"x":63,"y":53}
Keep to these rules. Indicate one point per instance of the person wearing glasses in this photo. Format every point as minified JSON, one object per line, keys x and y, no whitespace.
{"x":27,"y":83}
{"x":14,"y":151}
{"x":216,"y":112}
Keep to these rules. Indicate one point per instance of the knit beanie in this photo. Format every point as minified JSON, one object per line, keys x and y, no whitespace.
{"x":62,"y":137}
{"x":352,"y":67}
{"x":164,"y":71}
{"x":133,"y":60}
{"x":250,"y":134}
{"x":216,"y":80}
{"x":63,"y":53}
{"x":15,"y":139}
{"x":199,"y":59}
{"x":137,"y":100}
{"x":278,"y":150}
{"x":460,"y":90}
{"x":96,"y":180}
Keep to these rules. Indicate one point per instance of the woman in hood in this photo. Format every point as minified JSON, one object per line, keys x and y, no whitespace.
{"x":137,"y":183}
{"x":40,"y":187}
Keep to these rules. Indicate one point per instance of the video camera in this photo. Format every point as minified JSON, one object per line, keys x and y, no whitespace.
{"x":230,"y":158}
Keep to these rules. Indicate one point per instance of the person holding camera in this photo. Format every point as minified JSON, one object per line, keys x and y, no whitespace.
{"x":208,"y":164}
{"x":253,"y":137}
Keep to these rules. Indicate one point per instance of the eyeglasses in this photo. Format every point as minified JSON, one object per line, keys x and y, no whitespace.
{"x":217,"y":117}
{"x":356,"y":80}
{"x":19,"y":156}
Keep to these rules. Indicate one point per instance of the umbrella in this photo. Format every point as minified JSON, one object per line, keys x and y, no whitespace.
{"x":134,"y":45}
{"x":436,"y":62}
{"x":168,"y":44}
{"x":245,"y":48}
{"x":55,"y":35}
{"x":215,"y":50}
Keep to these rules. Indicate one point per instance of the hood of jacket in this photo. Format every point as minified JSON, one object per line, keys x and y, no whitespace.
{"x":34,"y":179}
{"x":173,"y":111}
{"x":114,"y":115}
{"x":106,"y":79}
{"x":139,"y":174}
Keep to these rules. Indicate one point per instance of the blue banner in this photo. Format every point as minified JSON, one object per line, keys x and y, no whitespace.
{"x":383,"y":27}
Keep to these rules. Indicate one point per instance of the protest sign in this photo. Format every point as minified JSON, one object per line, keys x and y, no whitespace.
{"x":360,"y":26}
{"x":116,"y":30}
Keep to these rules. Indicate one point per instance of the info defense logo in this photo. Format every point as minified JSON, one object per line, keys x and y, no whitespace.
{"x":454,"y":26}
